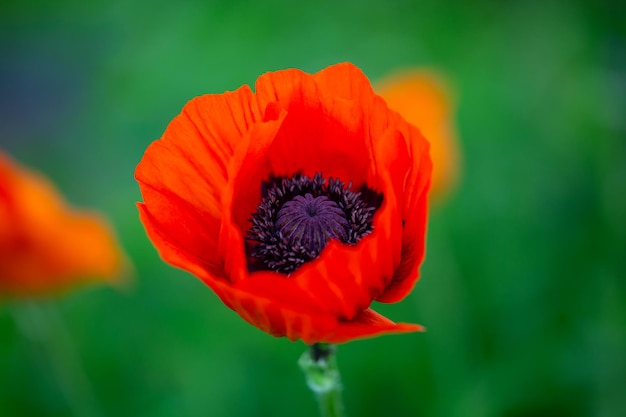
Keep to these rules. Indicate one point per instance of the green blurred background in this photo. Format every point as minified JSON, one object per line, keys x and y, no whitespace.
{"x":523,"y":289}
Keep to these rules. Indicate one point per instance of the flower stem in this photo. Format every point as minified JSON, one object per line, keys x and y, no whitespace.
{"x":322,"y":376}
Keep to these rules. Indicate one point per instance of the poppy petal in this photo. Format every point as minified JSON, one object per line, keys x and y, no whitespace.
{"x":346,"y":81}
{"x":183,"y":174}
{"x":322,"y":132}
{"x":280,"y":320}
{"x":414,"y":214}
{"x":169,"y":249}
{"x":243,"y":193}
{"x":369,"y":324}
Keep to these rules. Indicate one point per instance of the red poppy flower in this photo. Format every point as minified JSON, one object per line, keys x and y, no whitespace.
{"x":298,"y":205}
{"x":45,"y":246}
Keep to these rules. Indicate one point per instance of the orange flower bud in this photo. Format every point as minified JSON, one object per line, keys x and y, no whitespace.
{"x":423,"y":98}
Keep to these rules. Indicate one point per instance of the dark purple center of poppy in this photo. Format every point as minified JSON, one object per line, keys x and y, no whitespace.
{"x":299,"y":215}
{"x":311,"y":221}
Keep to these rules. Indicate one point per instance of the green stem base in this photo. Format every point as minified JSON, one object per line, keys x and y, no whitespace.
{"x":322,"y":376}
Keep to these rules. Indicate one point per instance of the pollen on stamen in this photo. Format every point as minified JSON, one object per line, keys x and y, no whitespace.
{"x":298,"y":216}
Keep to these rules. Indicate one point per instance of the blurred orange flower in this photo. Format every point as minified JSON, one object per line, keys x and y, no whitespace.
{"x":424,"y":99}
{"x":46,"y":246}
{"x":299,"y":204}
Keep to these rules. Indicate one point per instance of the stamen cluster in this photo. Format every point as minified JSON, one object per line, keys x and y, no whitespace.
{"x":299,"y":215}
